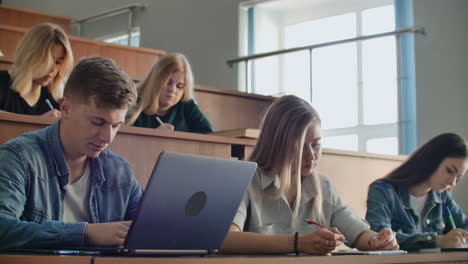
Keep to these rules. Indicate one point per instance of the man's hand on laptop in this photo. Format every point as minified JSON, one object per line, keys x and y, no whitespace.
{"x":106,"y":234}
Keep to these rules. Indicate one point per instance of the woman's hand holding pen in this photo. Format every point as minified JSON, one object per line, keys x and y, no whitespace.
{"x":384,"y":240}
{"x":320,"y":242}
{"x":453,"y":239}
{"x":163,"y":125}
{"x":52,"y":114}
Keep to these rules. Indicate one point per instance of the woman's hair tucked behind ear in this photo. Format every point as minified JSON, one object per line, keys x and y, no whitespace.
{"x":150,"y":88}
{"x":33,"y":59}
{"x":278,"y":151}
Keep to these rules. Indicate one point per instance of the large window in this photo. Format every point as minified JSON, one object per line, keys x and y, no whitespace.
{"x":353,"y":86}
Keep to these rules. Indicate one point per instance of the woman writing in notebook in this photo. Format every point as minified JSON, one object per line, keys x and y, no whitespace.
{"x":166,"y":98}
{"x":414,"y":201}
{"x":43,"y":60}
{"x":287,"y":190}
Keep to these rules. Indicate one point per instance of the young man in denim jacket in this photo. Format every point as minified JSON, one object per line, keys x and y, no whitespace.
{"x":59,"y":186}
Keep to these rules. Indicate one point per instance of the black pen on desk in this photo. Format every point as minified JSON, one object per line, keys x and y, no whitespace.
{"x":310,"y":222}
{"x":49,"y":104}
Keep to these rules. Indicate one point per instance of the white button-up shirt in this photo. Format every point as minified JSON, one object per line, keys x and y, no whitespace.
{"x":260,"y":215}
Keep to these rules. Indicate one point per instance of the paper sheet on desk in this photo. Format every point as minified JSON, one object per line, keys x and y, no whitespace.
{"x":361,"y":252}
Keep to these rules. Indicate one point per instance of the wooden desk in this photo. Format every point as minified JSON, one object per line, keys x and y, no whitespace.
{"x":446,"y":257}
{"x":452,"y":257}
{"x":140,"y":146}
{"x":239,"y":133}
{"x":27,"y":18}
{"x":30,"y":259}
{"x":5,"y":62}
{"x":228,"y":109}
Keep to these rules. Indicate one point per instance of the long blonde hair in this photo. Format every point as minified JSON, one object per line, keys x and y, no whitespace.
{"x":150,"y":88}
{"x":33,"y":59}
{"x":279,"y":148}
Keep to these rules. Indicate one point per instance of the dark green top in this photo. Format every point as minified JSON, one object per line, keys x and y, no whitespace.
{"x":184,"y":116}
{"x":11,"y":101}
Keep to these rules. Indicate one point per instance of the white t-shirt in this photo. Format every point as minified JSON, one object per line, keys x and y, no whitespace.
{"x":417,"y":203}
{"x":76,"y":200}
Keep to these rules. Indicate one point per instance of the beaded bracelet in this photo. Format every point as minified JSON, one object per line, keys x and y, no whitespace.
{"x":295,"y":244}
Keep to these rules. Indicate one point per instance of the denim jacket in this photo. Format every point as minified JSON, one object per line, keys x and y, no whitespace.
{"x":33,"y":173}
{"x":389,"y":206}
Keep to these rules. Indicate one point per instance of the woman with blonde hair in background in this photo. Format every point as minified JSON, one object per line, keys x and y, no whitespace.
{"x":287,"y":193}
{"x":42,"y":62}
{"x":166,"y":98}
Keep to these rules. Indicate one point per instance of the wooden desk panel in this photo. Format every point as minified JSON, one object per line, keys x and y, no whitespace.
{"x":231,"y":109}
{"x":351,"y":172}
{"x":23,"y":259}
{"x":137,"y":61}
{"x":26,"y":18}
{"x":9,"y":39}
{"x":5,"y":62}
{"x":141,"y":147}
{"x":452,"y":257}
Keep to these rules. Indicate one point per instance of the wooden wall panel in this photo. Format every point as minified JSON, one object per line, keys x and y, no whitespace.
{"x":230,"y":109}
{"x":27,"y":18}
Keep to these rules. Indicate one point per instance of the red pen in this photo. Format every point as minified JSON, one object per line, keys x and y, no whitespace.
{"x":310,"y":222}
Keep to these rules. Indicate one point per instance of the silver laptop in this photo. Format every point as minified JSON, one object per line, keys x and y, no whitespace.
{"x":188,"y":205}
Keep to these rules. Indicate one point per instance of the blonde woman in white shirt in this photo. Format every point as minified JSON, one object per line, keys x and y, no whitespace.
{"x":287,"y":190}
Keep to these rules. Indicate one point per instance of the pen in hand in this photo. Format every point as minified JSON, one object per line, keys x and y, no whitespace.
{"x":310,"y":222}
{"x":450,"y":217}
{"x":49,"y":104}
{"x":159,"y":120}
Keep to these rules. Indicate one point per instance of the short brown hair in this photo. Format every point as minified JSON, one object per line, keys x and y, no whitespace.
{"x":100,"y":79}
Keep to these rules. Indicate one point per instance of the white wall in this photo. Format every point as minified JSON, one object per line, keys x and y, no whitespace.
{"x":204,"y":30}
{"x":442,"y":73}
{"x":441,"y":67}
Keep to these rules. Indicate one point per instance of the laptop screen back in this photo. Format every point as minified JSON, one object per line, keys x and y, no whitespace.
{"x":189,"y":203}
